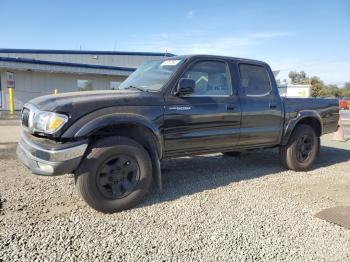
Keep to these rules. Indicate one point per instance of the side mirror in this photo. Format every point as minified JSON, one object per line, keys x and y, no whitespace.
{"x":185,"y":86}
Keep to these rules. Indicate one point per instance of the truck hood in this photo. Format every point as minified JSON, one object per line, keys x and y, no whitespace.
{"x":77,"y":104}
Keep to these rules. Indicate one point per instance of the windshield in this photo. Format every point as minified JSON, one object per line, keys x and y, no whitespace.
{"x":152,"y":75}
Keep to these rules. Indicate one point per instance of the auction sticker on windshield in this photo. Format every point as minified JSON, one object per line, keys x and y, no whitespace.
{"x":170,"y":62}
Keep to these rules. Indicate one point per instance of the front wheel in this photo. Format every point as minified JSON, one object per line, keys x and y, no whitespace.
{"x":301,"y":150}
{"x":115,"y":175}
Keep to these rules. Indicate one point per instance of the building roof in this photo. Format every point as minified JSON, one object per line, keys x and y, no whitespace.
{"x":76,"y":61}
{"x":63,"y":67}
{"x":43,"y":62}
{"x":82,"y":52}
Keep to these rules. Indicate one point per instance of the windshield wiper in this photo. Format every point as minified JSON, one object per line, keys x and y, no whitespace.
{"x":135,"y":87}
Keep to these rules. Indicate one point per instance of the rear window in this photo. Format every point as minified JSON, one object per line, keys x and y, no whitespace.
{"x":254,"y":80}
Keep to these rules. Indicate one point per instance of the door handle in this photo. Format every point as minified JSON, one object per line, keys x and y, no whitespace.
{"x":273,"y":105}
{"x":230,"y":107}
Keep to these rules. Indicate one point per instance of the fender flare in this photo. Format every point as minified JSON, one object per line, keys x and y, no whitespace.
{"x":89,"y":124}
{"x":293,"y":122}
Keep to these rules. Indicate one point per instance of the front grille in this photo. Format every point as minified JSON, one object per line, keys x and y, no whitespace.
{"x":25,"y":117}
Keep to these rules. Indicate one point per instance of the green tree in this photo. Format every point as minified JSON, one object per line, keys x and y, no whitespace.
{"x":298,"y":77}
{"x":332,"y":90}
{"x":345,"y":90}
{"x":318,"y":88}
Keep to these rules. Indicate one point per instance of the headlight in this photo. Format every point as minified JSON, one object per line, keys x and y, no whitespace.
{"x":48,"y":122}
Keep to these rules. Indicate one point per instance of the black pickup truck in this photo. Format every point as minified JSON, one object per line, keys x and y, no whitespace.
{"x":113,"y":141}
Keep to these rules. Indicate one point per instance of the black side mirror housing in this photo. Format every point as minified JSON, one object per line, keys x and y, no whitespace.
{"x":185,"y":86}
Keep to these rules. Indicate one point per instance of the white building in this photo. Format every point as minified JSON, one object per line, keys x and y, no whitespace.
{"x":40,"y":72}
{"x":296,"y":91}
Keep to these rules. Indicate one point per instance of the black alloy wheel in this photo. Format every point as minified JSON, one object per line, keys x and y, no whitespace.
{"x":118,"y":176}
{"x":304,"y":147}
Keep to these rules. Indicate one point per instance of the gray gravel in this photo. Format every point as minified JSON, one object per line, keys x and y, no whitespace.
{"x":212,"y":208}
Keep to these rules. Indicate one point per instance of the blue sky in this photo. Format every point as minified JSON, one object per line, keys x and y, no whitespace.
{"x":290,"y":35}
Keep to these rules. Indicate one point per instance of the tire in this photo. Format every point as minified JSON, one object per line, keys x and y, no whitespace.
{"x":318,"y":146}
{"x":232,"y":154}
{"x":301,"y":150}
{"x":115,"y":174}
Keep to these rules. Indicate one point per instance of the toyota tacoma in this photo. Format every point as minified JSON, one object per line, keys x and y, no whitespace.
{"x":113,"y":141}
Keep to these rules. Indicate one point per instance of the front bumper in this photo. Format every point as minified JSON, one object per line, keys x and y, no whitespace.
{"x":50,"y":159}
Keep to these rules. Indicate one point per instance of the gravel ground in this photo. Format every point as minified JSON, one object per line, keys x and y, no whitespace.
{"x":10,"y":131}
{"x":212,"y":208}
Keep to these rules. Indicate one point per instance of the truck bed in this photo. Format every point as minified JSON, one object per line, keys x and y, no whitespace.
{"x":328,"y":109}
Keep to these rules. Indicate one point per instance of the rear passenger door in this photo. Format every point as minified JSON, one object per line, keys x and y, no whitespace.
{"x":261,"y":106}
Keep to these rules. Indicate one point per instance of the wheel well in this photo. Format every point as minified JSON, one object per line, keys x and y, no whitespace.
{"x":139,"y":133}
{"x":313,"y":122}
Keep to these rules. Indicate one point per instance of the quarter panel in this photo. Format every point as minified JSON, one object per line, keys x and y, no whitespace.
{"x":325,"y":110}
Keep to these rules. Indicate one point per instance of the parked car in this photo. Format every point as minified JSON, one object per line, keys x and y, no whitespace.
{"x":114,"y":141}
{"x":344,"y":104}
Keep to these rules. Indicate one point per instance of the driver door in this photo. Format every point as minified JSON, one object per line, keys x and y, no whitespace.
{"x":208,"y":119}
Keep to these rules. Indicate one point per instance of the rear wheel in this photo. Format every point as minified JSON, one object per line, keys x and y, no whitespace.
{"x":301,"y":150}
{"x":115,"y":175}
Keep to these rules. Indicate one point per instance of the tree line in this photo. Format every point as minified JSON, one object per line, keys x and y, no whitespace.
{"x":318,"y":87}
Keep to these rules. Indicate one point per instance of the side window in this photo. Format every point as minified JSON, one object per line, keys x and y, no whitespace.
{"x":254,"y":80}
{"x":85,"y":85}
{"x":212,"y":78}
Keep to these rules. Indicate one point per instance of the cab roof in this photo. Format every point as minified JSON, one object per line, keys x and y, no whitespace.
{"x":228,"y":58}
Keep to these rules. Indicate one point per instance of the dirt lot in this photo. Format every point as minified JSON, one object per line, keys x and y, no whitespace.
{"x":212,"y":208}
